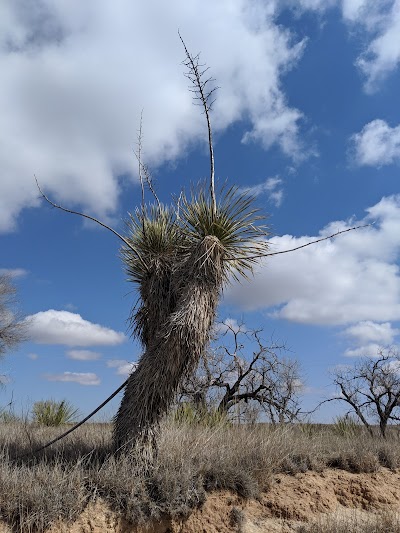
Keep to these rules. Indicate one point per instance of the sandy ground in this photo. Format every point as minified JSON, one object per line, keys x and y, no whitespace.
{"x":290,"y":501}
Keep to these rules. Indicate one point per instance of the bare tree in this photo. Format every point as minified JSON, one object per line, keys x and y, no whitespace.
{"x":12,"y":328}
{"x":230,"y":378}
{"x":371,"y":388}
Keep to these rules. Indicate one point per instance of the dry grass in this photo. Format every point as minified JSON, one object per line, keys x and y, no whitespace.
{"x":191,"y":460}
{"x":383,"y":522}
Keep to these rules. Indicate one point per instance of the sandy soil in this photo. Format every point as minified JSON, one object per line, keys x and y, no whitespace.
{"x":290,"y":501}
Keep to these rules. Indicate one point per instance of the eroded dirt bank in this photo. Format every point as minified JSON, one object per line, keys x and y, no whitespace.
{"x":290,"y":501}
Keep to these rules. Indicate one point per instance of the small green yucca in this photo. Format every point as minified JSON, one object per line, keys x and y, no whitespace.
{"x":8,"y":417}
{"x":187,"y":414}
{"x":53,"y":413}
{"x":346,"y":426}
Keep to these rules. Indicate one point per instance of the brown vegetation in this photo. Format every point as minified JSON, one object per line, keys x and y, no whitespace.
{"x":273,"y":465}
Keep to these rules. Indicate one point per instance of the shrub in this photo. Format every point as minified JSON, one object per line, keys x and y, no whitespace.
{"x":187,"y":414}
{"x":8,"y":417}
{"x":53,"y":413}
{"x":347,"y":426}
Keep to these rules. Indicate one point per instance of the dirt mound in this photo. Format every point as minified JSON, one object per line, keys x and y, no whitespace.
{"x":301,"y":496}
{"x":290,"y":501}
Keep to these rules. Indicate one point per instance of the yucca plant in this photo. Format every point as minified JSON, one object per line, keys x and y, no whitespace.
{"x":188,"y":415}
{"x":149,"y":259}
{"x":179,"y":257}
{"x":53,"y":413}
{"x":208,"y":249}
{"x":347,"y":426}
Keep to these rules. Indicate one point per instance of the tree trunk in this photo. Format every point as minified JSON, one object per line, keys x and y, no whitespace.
{"x":175,"y":349}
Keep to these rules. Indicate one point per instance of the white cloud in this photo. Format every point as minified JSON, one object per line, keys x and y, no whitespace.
{"x":229,"y":324}
{"x":382,"y":21}
{"x":83,"y":378}
{"x":123,"y":367}
{"x":369,"y":338}
{"x":76,"y":75}
{"x":369,"y":350}
{"x":368,"y":331}
{"x":83,"y":355}
{"x":276,"y":197}
{"x":4,"y":379}
{"x":70,"y":329}
{"x":349,"y":279}
{"x":271,"y":186}
{"x":13,"y":272}
{"x":70,"y":307}
{"x":379,"y":22}
{"x":377,"y":144}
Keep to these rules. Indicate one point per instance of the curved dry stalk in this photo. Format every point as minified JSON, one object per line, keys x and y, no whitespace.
{"x":258,"y":256}
{"x":139,"y":157}
{"x":203,"y":95}
{"x":84,"y":215}
{"x":143,"y":169}
{"x":74,"y":427}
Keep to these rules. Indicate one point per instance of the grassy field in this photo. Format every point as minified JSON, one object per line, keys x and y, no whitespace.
{"x":191,"y":461}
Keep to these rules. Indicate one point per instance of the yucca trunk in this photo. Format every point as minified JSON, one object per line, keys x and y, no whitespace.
{"x":176,"y":346}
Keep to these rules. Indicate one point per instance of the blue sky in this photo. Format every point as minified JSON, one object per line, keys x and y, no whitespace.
{"x":306,"y":116}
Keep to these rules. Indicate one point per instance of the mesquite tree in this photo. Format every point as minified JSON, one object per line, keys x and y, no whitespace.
{"x":12,"y":327}
{"x":371,"y":389}
{"x":242,"y":375}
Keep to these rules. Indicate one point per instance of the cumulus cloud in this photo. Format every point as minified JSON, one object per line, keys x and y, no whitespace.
{"x":379,"y":24}
{"x":272,"y":187}
{"x":70,"y":329}
{"x":83,"y":378}
{"x":369,"y":350}
{"x":349,"y":279}
{"x":369,"y":338}
{"x":76,"y":75}
{"x":83,"y":355}
{"x":382,"y":21}
{"x":368,"y":331}
{"x":377,"y":144}
{"x":123,"y":367}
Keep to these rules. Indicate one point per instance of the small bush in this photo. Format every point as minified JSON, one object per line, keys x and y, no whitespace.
{"x":187,"y":414}
{"x":8,"y":417}
{"x":347,"y":426}
{"x":358,"y":463}
{"x":389,"y":457}
{"x":53,"y":413}
{"x":237,"y":518}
